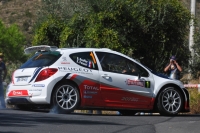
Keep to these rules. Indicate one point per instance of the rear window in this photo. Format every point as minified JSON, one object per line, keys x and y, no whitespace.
{"x":42,"y":59}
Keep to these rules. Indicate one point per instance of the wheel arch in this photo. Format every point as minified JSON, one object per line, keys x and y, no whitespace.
{"x":184,"y":93}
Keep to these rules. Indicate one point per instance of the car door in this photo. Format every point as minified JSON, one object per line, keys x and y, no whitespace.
{"x":88,"y":79}
{"x":124,"y":83}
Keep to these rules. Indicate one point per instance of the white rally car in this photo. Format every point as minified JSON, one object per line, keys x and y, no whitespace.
{"x":92,"y":78}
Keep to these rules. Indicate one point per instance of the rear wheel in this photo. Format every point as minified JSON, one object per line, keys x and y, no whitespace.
{"x":128,"y":112}
{"x":170,"y":101}
{"x":66,"y":98}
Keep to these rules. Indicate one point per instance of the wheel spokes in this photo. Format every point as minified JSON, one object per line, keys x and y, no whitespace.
{"x":66,"y":97}
{"x":171,"y":100}
{"x":166,"y":105}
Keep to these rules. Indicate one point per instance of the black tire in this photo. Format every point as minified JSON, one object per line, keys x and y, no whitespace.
{"x":127,"y":112}
{"x":66,"y":98}
{"x":170,"y":101}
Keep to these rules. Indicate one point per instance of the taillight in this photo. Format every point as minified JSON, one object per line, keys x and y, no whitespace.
{"x":13,"y":77}
{"x":46,"y":73}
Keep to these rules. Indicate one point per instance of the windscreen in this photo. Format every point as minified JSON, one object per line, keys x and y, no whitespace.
{"x":42,"y":59}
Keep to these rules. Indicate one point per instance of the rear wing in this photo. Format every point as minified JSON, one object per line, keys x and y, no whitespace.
{"x":39,"y":49}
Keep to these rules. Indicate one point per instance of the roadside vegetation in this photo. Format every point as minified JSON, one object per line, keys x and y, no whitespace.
{"x":194,"y":101}
{"x":132,"y":27}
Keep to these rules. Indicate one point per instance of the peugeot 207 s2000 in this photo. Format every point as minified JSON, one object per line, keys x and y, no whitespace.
{"x":91,"y":78}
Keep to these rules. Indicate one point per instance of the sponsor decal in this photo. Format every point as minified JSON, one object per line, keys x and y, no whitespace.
{"x":90,"y":92}
{"x":87,"y":87}
{"x":65,"y":62}
{"x":38,"y":85}
{"x":18,"y":93}
{"x":84,"y":62}
{"x":145,"y":84}
{"x":35,"y":89}
{"x":86,"y":96}
{"x":93,"y":58}
{"x":135,"y":82}
{"x":75,"y":70}
{"x":133,"y":99}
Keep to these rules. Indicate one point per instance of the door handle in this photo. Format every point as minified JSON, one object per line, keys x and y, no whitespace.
{"x":105,"y":76}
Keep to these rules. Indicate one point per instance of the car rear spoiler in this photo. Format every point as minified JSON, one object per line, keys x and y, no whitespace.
{"x":40,"y":48}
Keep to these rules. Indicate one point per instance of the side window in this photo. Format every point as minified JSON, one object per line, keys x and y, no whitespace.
{"x":111,"y":62}
{"x":137,"y":69}
{"x":85,"y":59}
{"x":118,"y":64}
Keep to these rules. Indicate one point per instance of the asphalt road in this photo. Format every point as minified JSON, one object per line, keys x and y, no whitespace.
{"x":16,"y":121}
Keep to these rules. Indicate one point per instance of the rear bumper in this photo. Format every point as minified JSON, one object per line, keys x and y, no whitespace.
{"x":13,"y":101}
{"x":26,"y":100}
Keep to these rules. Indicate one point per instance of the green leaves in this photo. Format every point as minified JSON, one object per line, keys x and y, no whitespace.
{"x":12,"y":43}
{"x":49,"y":32}
{"x":148,"y":30}
{"x":153,"y":30}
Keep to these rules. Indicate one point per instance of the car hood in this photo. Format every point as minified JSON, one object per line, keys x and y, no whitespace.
{"x":161,"y":79}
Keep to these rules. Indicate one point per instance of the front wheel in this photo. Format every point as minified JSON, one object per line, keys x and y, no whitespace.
{"x":66,"y":98}
{"x":170,"y":101}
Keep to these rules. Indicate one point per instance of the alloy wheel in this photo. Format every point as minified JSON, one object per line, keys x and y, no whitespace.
{"x":66,"y":97}
{"x":171,"y":100}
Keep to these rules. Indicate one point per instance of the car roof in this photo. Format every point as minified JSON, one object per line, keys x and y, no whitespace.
{"x":73,"y":50}
{"x":92,"y":49}
{"x":42,"y":48}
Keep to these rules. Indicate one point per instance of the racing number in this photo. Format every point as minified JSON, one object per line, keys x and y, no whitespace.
{"x":92,"y":55}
